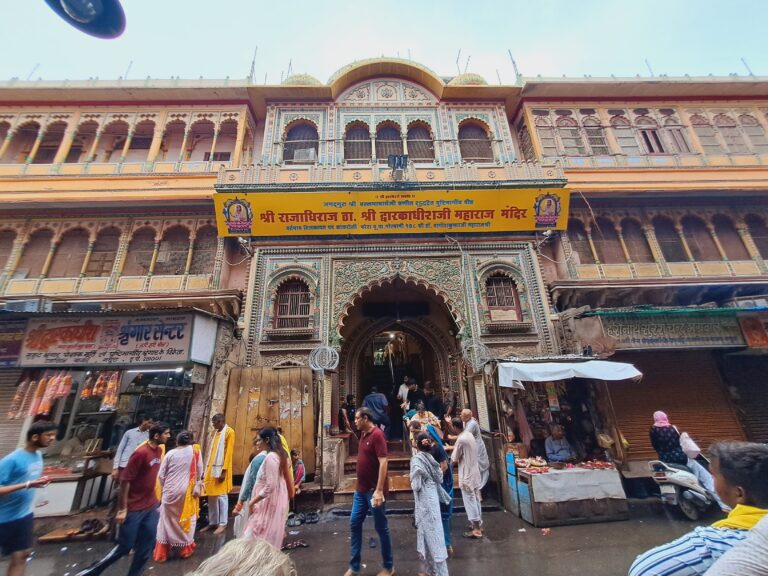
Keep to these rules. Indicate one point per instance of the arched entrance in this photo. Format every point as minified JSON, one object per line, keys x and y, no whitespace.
{"x":397,"y":328}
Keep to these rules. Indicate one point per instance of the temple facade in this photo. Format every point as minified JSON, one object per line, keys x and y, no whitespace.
{"x":619,"y":218}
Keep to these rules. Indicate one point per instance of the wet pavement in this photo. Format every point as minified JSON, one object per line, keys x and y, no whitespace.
{"x":511,"y":547}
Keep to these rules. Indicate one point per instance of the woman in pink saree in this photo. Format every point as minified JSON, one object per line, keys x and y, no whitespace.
{"x":181,"y":468}
{"x":269,"y":499}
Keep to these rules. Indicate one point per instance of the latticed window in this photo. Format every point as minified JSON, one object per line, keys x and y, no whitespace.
{"x":524,"y":139}
{"x":357,"y":144}
{"x":173,"y":252}
{"x":501,"y":294}
{"x":474,"y":144}
{"x":648,"y":130}
{"x":707,"y":135}
{"x":570,"y":135}
{"x":577,"y":236}
{"x":729,"y":238}
{"x":607,"y":243}
{"x":204,"y":251}
{"x":139,"y":254}
{"x":301,"y":144}
{"x":104,"y":253}
{"x":699,"y":240}
{"x":755,"y":133}
{"x":732,"y":136}
{"x":546,"y":137}
{"x":759,"y":233}
{"x":596,"y":137}
{"x":292,"y":307}
{"x":669,"y":240}
{"x":677,"y":136}
{"x":421,"y":148}
{"x":625,"y":136}
{"x":388,"y":142}
{"x":636,"y":242}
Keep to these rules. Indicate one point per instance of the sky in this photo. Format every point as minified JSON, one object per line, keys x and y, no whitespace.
{"x":551,"y":38}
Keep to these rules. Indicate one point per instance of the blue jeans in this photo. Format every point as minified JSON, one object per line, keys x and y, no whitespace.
{"x":137,"y":533}
{"x":360,"y":506}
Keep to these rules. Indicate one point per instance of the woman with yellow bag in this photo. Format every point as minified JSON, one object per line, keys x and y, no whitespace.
{"x":180,"y":472}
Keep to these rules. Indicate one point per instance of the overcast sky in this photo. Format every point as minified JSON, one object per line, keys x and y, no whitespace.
{"x":216,"y":39}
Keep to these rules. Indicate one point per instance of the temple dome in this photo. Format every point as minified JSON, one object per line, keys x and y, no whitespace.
{"x":302,"y":80}
{"x":468,"y":79}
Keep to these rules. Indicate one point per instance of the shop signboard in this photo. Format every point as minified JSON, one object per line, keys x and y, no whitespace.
{"x":643,"y":331}
{"x":391,"y":212}
{"x":115,"y":340}
{"x":755,"y":331}
{"x":11,"y":337}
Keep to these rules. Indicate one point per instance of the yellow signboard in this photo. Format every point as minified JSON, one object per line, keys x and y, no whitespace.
{"x":391,"y":212}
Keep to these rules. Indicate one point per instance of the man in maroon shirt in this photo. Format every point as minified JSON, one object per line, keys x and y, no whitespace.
{"x":370,"y":491}
{"x":137,"y":505}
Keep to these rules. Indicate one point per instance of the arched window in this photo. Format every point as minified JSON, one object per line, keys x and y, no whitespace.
{"x":501,"y":294}
{"x":677,"y":136}
{"x":357,"y":144}
{"x":732,"y":136}
{"x":706,"y":134}
{"x":173,"y":252}
{"x":759,"y":233}
{"x":301,"y":144}
{"x":24,"y":138}
{"x":52,"y":137}
{"x":112,"y":142}
{"x":7,"y":238}
{"x":648,"y":130}
{"x":474,"y":143}
{"x":577,"y":236}
{"x":636,"y":242}
{"x":104,"y":253}
{"x":755,"y":133}
{"x":139,"y":255}
{"x":70,"y":254}
{"x":204,"y":251}
{"x":625,"y":135}
{"x":699,"y":240}
{"x":34,"y":255}
{"x":292,"y":306}
{"x":668,"y":240}
{"x":570,"y":135}
{"x":729,"y":238}
{"x":388,"y":142}
{"x":607,"y":243}
{"x":596,"y":137}
{"x":546,"y":137}
{"x":421,"y":148}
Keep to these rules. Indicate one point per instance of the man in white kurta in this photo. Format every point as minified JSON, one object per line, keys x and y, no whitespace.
{"x":465,"y":455}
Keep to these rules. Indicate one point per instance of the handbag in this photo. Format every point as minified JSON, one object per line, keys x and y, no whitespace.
{"x":688,"y":446}
{"x":198,"y":489}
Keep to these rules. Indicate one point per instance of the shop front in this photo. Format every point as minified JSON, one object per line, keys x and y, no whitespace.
{"x":679,"y":352}
{"x":560,"y":467}
{"x":93,"y":376}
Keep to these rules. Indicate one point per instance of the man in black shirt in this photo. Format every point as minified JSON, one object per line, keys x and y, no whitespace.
{"x":433,"y":402}
{"x":415,"y":395}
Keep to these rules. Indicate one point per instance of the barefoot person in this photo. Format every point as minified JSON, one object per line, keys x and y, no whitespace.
{"x":218,"y":474}
{"x":20,"y":474}
{"x":370,"y":491}
{"x":137,"y":505}
{"x":181,"y":469}
{"x":465,"y":455}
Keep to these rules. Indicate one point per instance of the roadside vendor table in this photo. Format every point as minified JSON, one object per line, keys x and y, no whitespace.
{"x":571,"y":496}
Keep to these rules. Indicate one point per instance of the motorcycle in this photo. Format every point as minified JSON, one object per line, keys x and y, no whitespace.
{"x":680,"y":487}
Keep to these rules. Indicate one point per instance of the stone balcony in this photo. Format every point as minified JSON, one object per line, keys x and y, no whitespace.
{"x":684,"y":161}
{"x":648,"y":270}
{"x":111,"y":168}
{"x":16,"y":287}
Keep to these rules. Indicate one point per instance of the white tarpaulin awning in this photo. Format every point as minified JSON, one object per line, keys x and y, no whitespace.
{"x":511,"y":373}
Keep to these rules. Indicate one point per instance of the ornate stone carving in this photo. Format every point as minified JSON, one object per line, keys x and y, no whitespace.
{"x":285,"y":359}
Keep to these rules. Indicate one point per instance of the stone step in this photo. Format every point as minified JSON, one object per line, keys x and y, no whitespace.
{"x":397,"y":461}
{"x":399,"y":487}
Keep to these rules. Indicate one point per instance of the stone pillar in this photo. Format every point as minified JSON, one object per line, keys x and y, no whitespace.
{"x":49,"y":259}
{"x":588,"y":231}
{"x":6,"y":143}
{"x":749,"y":244}
{"x":624,"y":248}
{"x":155,"y":252}
{"x":213,"y":144}
{"x":13,"y":259}
{"x":87,"y":258}
{"x":238,"y":153}
{"x":717,"y":242}
{"x":190,"y":251}
{"x":404,"y":137}
{"x":96,"y":139}
{"x":36,"y":146}
{"x":157,"y":138}
{"x":373,"y":148}
{"x":684,"y":242}
{"x":126,"y":146}
{"x":67,"y":139}
{"x":653,"y":244}
{"x":183,"y":150}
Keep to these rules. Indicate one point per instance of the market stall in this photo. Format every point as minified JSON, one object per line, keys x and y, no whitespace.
{"x":93,"y":376}
{"x":560,"y":467}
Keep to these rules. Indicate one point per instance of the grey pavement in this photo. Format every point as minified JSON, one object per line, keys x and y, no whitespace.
{"x":511,"y":547}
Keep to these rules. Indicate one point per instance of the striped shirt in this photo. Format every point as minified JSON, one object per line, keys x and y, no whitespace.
{"x":689,"y":555}
{"x":749,"y":558}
